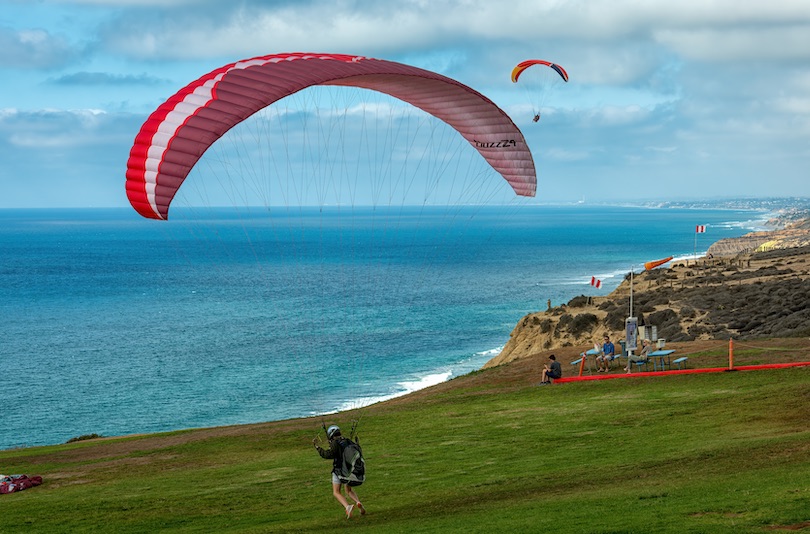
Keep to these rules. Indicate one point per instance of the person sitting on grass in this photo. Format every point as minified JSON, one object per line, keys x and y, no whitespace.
{"x":551,"y":373}
{"x":603,"y":360}
{"x":644,"y":355}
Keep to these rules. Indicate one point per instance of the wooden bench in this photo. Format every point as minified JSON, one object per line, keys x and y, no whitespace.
{"x":679,"y":361}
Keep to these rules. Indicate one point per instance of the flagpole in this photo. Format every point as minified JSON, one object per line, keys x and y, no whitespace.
{"x":630,"y":325}
{"x":631,"y":291}
{"x":699,"y":229}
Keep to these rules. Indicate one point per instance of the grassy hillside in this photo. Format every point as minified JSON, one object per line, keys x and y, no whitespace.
{"x":487,"y":452}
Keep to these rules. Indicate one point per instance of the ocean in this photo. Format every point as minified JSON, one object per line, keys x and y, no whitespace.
{"x":113,"y":324}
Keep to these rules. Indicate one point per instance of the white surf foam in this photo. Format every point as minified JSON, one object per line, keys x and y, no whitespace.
{"x":431,"y":378}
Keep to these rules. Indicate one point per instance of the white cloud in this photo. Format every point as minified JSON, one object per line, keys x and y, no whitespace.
{"x":613,"y":115}
{"x":51,"y":128}
{"x":84,"y":78}
{"x":708,"y":93}
{"x":131,"y":3}
{"x":662,"y":149}
{"x":781,"y":43}
{"x":797,"y":105}
{"x":563,"y":154}
{"x":33,"y":49}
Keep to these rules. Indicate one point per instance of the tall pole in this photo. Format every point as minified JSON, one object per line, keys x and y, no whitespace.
{"x":630,"y":346}
{"x":631,"y":292}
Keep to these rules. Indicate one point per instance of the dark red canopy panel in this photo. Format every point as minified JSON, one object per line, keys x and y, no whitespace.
{"x":176,"y":135}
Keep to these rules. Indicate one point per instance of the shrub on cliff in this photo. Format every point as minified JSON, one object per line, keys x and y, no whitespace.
{"x":646,"y":308}
{"x":663,"y":318}
{"x":579,"y":302}
{"x":669,"y":325}
{"x":614,"y":320}
{"x":582,"y":324}
{"x":674,"y":332}
{"x":697,"y":330}
{"x":608,"y":305}
{"x":659,"y":298}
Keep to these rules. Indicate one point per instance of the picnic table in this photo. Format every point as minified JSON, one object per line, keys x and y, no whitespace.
{"x":662,"y":357}
{"x":589,"y":352}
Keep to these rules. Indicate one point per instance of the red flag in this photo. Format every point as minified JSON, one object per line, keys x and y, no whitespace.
{"x":596,"y":283}
{"x":700,"y":228}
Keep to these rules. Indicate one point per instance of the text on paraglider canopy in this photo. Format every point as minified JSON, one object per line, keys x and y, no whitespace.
{"x":504,"y":143}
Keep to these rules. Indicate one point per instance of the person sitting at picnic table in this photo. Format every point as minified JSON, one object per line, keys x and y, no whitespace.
{"x":603,"y":360}
{"x":643,"y":356}
{"x":554,"y":372}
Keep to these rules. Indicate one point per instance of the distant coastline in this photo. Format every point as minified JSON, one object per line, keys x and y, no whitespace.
{"x":753,"y":278}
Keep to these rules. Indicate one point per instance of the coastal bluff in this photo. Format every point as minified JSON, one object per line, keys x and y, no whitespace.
{"x":753,"y":286}
{"x":794,"y":235}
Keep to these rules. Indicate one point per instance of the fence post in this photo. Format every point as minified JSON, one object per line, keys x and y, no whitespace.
{"x":582,"y":364}
{"x":731,"y":354}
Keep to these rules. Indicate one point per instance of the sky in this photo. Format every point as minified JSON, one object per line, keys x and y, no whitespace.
{"x":693,"y":99}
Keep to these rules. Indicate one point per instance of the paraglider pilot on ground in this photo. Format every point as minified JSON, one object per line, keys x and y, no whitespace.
{"x":348,"y":468}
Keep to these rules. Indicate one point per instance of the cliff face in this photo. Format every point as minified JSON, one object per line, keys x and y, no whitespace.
{"x":753,"y":286}
{"x":794,"y":235}
{"x":558,"y":327}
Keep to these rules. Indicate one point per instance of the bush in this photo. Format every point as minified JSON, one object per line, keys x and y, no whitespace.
{"x":721,"y":334}
{"x":607,"y":306}
{"x":660,"y":298}
{"x":664,"y":317}
{"x":85,"y":437}
{"x":579,"y":302}
{"x":696,"y":330}
{"x":614,"y":320}
{"x":583,"y":323}
{"x":687,"y":312}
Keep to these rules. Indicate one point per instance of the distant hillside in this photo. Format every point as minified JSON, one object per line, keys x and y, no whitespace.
{"x":792,"y":235}
{"x":757,"y":285}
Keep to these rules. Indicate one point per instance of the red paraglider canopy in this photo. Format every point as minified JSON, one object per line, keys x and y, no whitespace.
{"x":176,"y":135}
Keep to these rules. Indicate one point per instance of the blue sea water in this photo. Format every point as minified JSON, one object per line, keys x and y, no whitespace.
{"x":112,"y":324}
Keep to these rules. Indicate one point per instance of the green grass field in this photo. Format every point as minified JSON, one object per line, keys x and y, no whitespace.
{"x":725,"y":452}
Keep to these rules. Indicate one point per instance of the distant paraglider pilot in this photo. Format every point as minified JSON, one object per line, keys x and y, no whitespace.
{"x":544,"y":74}
{"x":348,"y":468}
